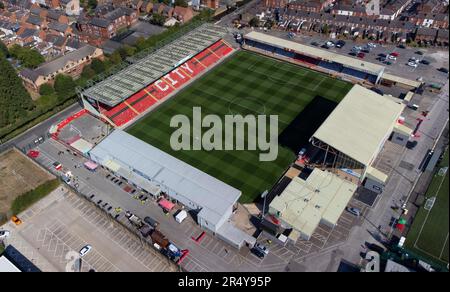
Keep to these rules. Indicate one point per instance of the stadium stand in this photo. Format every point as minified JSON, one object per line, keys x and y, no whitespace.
{"x":122,"y":97}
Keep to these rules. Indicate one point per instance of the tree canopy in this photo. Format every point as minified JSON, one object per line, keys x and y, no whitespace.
{"x":158,"y":19}
{"x":29,"y":58}
{"x":15,"y":102}
{"x":64,"y":86}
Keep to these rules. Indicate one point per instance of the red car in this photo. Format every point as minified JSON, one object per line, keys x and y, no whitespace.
{"x":361,"y":55}
{"x":395,"y":54}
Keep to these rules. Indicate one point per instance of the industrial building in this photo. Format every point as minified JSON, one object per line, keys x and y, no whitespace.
{"x":161,"y":174}
{"x":304,"y":204}
{"x":355,"y":132}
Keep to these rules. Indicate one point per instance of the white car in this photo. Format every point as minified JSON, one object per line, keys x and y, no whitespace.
{"x":372,"y":45}
{"x":85,"y":250}
{"x":412,"y":64}
{"x":262,"y":248}
{"x":394,"y":58}
{"x":4,"y":234}
{"x":330,"y":44}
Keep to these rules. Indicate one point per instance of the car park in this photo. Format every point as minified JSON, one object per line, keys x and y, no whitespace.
{"x":85,"y":250}
{"x":4,"y":234}
{"x":354,"y":211}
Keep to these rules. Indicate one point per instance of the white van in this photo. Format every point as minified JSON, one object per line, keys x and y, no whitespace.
{"x":181,"y":216}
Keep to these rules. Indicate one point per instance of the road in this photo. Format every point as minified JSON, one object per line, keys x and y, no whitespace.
{"x":40,"y":129}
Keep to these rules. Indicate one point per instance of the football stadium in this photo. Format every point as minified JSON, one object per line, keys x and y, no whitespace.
{"x":201,"y":70}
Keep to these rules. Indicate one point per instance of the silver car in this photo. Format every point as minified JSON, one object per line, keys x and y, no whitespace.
{"x":354,"y":211}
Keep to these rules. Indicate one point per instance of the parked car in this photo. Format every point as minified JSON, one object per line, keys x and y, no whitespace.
{"x":85,"y":250}
{"x":316,"y":44}
{"x":420,"y":53}
{"x":260,"y":254}
{"x":354,"y":211}
{"x":262,"y":248}
{"x":4,"y":234}
{"x":57,"y":165}
{"x":372,"y":45}
{"x":444,"y":70}
{"x":425,"y":62}
{"x":412,"y":64}
{"x":395,"y":54}
{"x":411,"y":144}
{"x":340,"y":44}
{"x":330,"y":44}
{"x":387,"y":63}
{"x":16,"y":220}
{"x":152,"y":222}
{"x":392,"y":57}
{"x":401,"y":46}
{"x":361,"y":55}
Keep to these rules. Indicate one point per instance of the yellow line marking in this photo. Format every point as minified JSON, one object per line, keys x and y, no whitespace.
{"x":151,"y":95}
{"x":213,"y":53}
{"x":168,"y":83}
{"x":132,"y":108}
{"x":109,"y":120}
{"x":185,"y":72}
{"x":198,"y":61}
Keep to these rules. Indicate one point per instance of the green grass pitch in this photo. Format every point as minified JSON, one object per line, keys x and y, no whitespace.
{"x":246,"y":83}
{"x":428,"y":235}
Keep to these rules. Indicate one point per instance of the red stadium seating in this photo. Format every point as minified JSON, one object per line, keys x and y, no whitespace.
{"x":160,"y":89}
{"x":141,"y":101}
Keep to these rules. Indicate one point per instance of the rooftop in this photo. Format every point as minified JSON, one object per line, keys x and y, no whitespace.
{"x":323,"y":196}
{"x":316,"y":53}
{"x":59,"y":63}
{"x":135,"y":156}
{"x":125,"y":83}
{"x":360,"y":124}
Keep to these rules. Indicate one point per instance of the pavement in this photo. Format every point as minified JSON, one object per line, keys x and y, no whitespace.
{"x":57,"y":227}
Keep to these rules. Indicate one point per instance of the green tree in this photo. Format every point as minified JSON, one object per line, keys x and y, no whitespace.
{"x":182,"y":3}
{"x":88,"y":72}
{"x":64,"y":86}
{"x":98,"y":66}
{"x":126,"y":51}
{"x":29,"y":58}
{"x":92,"y":4}
{"x":3,"y":48}
{"x":158,"y":19}
{"x":254,"y":22}
{"x":2,"y":6}
{"x":115,"y":58}
{"x":15,"y":102}
{"x":46,"y":89}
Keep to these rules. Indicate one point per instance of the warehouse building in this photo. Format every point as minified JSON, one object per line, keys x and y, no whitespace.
{"x":157,"y":173}
{"x":304,"y":204}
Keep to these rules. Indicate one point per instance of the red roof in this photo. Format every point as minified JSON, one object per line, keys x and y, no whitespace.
{"x":165,"y":204}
